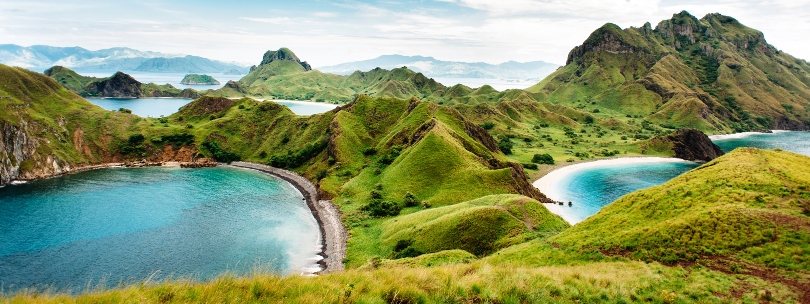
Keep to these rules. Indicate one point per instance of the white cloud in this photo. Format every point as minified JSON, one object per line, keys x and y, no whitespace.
{"x":278,"y":20}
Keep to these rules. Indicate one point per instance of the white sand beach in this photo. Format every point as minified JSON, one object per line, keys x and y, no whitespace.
{"x":552,"y":183}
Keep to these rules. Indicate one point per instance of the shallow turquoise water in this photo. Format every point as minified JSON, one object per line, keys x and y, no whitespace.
{"x":590,"y":189}
{"x":797,"y":142}
{"x":124,"y":225}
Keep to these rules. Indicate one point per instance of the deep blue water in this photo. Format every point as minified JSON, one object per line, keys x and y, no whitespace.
{"x":590,"y":189}
{"x":124,"y":225}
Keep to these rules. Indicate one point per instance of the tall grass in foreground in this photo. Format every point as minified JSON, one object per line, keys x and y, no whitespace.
{"x":611,"y":282}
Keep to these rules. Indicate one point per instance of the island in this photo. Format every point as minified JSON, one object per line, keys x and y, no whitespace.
{"x":197,"y":79}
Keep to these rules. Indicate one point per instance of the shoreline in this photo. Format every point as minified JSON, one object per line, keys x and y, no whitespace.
{"x":743,"y":134}
{"x":549,"y":184}
{"x":333,"y":233}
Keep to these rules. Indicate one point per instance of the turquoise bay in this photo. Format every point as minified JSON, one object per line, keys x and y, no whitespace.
{"x":591,"y":186}
{"x":109,"y":226}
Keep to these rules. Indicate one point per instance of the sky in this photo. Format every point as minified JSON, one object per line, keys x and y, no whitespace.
{"x":332,"y":32}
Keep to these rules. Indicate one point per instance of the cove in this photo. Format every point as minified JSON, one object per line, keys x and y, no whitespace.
{"x":591,"y":186}
{"x":110,"y":226}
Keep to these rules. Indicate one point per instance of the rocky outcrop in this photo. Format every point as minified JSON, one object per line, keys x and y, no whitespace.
{"x":283,"y":54}
{"x":120,"y":85}
{"x":607,"y":38}
{"x":235,"y":86}
{"x":694,"y":145}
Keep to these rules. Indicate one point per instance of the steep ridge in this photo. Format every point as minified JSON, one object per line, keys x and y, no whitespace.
{"x":713,"y":74}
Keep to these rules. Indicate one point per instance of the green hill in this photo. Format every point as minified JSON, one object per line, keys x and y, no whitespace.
{"x":197,"y":79}
{"x":745,"y":212}
{"x":713,"y":74}
{"x":119,"y":85}
{"x":47,"y":129}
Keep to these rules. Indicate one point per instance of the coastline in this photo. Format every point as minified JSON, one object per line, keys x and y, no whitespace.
{"x":333,"y":233}
{"x":550,"y":183}
{"x":742,"y":134}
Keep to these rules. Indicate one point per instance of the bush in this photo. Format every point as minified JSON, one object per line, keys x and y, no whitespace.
{"x":410,"y":200}
{"x":369,"y":151}
{"x":125,"y":110}
{"x":376,"y":195}
{"x":381,"y":208}
{"x":294,"y":160}
{"x":488,"y":125}
{"x":530,"y":166}
{"x":543,"y":159}
{"x":589,"y":119}
{"x":505,"y":145}
{"x":219,"y":154}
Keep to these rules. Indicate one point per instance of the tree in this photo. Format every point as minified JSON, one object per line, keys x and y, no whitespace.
{"x":543,"y":159}
{"x":505,"y":145}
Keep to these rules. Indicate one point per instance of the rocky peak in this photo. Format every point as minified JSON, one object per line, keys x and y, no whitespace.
{"x":283,"y":54}
{"x":608,"y":38}
{"x":120,"y":85}
{"x":694,"y":145}
{"x":681,"y":25}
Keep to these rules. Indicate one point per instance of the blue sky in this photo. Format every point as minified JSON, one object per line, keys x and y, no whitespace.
{"x":331,"y":32}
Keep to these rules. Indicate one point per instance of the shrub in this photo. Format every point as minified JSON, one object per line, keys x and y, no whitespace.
{"x":381,"y":208}
{"x":543,"y":159}
{"x":369,"y":151}
{"x":125,"y":110}
{"x":505,"y":145}
{"x":219,"y":154}
{"x":376,"y":194}
{"x":409,"y":200}
{"x":488,"y":125}
{"x":589,"y":119}
{"x":530,"y":166}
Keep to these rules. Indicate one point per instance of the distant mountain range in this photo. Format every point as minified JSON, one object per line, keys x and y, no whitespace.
{"x":432,"y":67}
{"x":40,"y":57}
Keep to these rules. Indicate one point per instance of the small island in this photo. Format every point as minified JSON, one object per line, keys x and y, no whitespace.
{"x":197,"y":79}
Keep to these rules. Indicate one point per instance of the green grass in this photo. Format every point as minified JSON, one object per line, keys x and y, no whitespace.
{"x":480,"y":226}
{"x":737,"y":205}
{"x":608,"y":282}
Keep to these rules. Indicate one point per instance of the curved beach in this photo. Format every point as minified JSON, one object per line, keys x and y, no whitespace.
{"x":551,"y":183}
{"x":333,"y":233}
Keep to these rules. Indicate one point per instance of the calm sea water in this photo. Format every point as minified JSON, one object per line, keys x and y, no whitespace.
{"x":155,"y":107}
{"x":144,"y":107}
{"x":590,"y":189}
{"x":102,"y":227}
{"x":797,"y":142}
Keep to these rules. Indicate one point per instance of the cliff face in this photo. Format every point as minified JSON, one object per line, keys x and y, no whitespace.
{"x":694,"y":145}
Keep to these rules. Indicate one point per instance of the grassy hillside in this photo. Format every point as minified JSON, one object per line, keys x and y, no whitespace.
{"x":713,"y":74}
{"x":604,"y":282}
{"x":746,"y":211}
{"x":46,"y":128}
